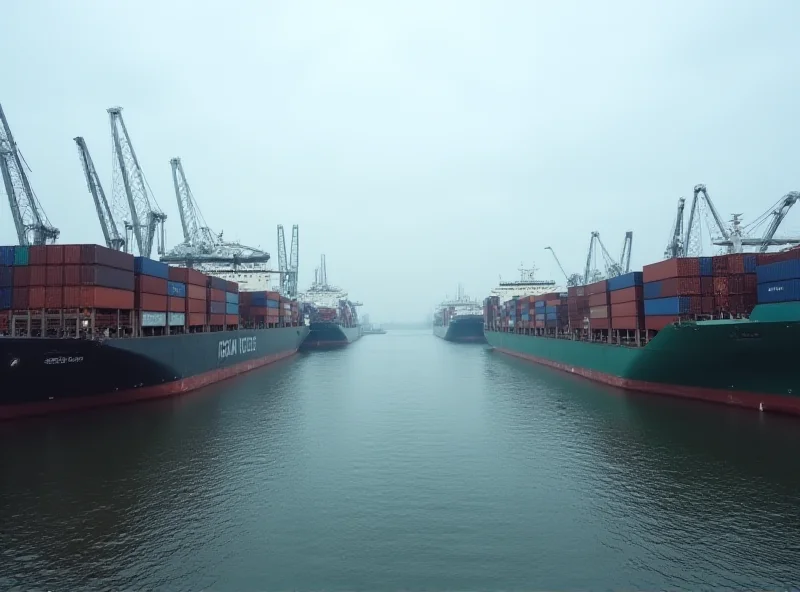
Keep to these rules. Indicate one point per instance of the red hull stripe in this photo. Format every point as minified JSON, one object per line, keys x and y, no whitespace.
{"x":149,"y":392}
{"x":751,"y":400}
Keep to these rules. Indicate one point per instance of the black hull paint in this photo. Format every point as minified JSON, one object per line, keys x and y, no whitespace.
{"x":462,"y":330}
{"x":50,"y":371}
{"x":330,"y":335}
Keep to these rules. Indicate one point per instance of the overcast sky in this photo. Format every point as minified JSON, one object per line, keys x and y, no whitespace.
{"x":417,"y":144}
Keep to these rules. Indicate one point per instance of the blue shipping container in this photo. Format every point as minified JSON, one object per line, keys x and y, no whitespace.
{"x":549,"y":309}
{"x":776,"y":272}
{"x":258,"y":299}
{"x":6,"y":277}
{"x":231,"y":308}
{"x":540,"y":317}
{"x":147,"y":266}
{"x":749,"y":263}
{"x":783,"y":291}
{"x":176,"y":289}
{"x":551,"y":316}
{"x":5,"y":298}
{"x":538,"y":304}
{"x":706,"y":266}
{"x":666,"y":306}
{"x":651,"y":290}
{"x":216,"y":307}
{"x":628,"y":280}
{"x":6,"y":255}
{"x":274,"y":304}
{"x":231,"y":298}
{"x":526,"y":317}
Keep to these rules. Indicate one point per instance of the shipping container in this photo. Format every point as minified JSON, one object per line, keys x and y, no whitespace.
{"x":54,"y":276}
{"x":178,"y":274}
{"x":71,"y":254}
{"x":675,"y":305}
{"x":215,"y":307}
{"x":776,"y":272}
{"x":37,"y":255}
{"x":176,"y":289}
{"x":197,"y":319}
{"x":232,"y":297}
{"x":108,"y":277}
{"x":153,"y":319}
{"x":196,"y":292}
{"x":274,"y":304}
{"x":628,"y":280}
{"x":21,"y":256}
{"x":22,"y":277}
{"x":781,"y":291}
{"x":628,"y":309}
{"x":110,"y":298}
{"x":707,"y":286}
{"x":598,"y":299}
{"x":6,"y":277}
{"x":7,"y":256}
{"x":152,"y":302}
{"x":232,"y":287}
{"x":53,"y":297}
{"x":597,"y":324}
{"x":176,"y":319}
{"x":596,"y":288}
{"x":231,"y":308}
{"x":72,"y":296}
{"x":216,"y":295}
{"x":719,"y":265}
{"x":679,"y":286}
{"x":671,"y":268}
{"x":740,"y":263}
{"x":656,"y":323}
{"x":217,"y":283}
{"x":627,"y":323}
{"x":196,"y":306}
{"x":216,"y":320}
{"x":598,"y":312}
{"x":176,"y":304}
{"x":72,"y":275}
{"x":147,"y":284}
{"x":706,"y":266}
{"x":99,"y":255}
{"x":196,"y":278}
{"x":232,"y":319}
{"x":54,"y":254}
{"x":36,"y":299}
{"x":627,"y":295}
{"x":6,"y":298}
{"x":149,"y":267}
{"x":20,"y":298}
{"x":720,"y":284}
{"x":707,"y":305}
{"x":576,"y":291}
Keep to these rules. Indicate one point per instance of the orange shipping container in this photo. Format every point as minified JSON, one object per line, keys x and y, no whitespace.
{"x":216,"y":319}
{"x":196,"y":278}
{"x":177,"y":304}
{"x":627,"y":295}
{"x":216,"y":295}
{"x":196,"y":293}
{"x":72,"y":296}
{"x":596,"y":288}
{"x":599,"y":299}
{"x":196,"y":306}
{"x":671,"y":268}
{"x":54,"y":297}
{"x":628,"y":309}
{"x":150,"y":302}
{"x":197,"y":319}
{"x":231,"y":319}
{"x":97,"y":297}
{"x":151,"y":285}
{"x":54,"y":254}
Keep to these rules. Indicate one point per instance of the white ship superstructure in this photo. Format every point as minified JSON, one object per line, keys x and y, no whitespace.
{"x":527,"y":285}
{"x":462,"y":305}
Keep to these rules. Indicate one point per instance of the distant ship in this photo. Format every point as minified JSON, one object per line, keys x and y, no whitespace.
{"x":459,"y":320}
{"x":331,"y":317}
{"x":526,"y":285}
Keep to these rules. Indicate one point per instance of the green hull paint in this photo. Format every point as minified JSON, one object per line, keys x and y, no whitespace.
{"x":749,"y":363}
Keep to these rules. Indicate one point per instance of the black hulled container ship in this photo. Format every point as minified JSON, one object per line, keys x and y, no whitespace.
{"x":331,"y":316}
{"x":459,"y":320}
{"x":84,"y":326}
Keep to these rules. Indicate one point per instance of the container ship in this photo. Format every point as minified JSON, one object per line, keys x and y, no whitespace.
{"x":459,"y":320}
{"x":331,"y":317}
{"x":84,"y":325}
{"x":720,"y":329}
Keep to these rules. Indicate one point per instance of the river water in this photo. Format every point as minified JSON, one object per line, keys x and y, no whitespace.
{"x":402,"y":462}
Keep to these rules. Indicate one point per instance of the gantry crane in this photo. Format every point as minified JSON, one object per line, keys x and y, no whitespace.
{"x":288,"y":268}
{"x":107,"y":222}
{"x":612,"y":268}
{"x":196,"y":232}
{"x":146,"y":218}
{"x":675,"y":247}
{"x":30,"y":221}
{"x":572,"y":280}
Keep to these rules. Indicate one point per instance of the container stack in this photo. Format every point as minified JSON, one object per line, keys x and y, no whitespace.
{"x":176,"y":297}
{"x":539,"y":314}
{"x":778,"y":282}
{"x":491,"y":310}
{"x":599,"y":309}
{"x":196,"y":299}
{"x":577,"y":306}
{"x":231,"y":304}
{"x":261,"y":309}
{"x":525,"y":315}
{"x":672,"y":291}
{"x":627,"y":302}
{"x":150,"y":296}
{"x":556,"y":317}
{"x":216,"y":301}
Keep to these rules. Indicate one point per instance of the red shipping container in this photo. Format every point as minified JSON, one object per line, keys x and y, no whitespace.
{"x":37,"y":255}
{"x":599,"y":324}
{"x":750,"y":283}
{"x":736,"y":284}
{"x":196,"y":292}
{"x":671,"y":268}
{"x":719,"y":265}
{"x":679,"y":286}
{"x":261,"y":311}
{"x":54,"y":275}
{"x":72,"y":275}
{"x":720,"y":285}
{"x":54,"y":297}
{"x":598,"y":312}
{"x":196,"y":278}
{"x":232,"y":287}
{"x":216,"y":319}
{"x":656,"y":323}
{"x":38,"y":275}
{"x":177,"y":304}
{"x":598,"y":299}
{"x":107,"y":277}
{"x":216,"y":295}
{"x":20,"y":296}
{"x":554,"y":302}
{"x":627,"y":295}
{"x":273,"y":295}
{"x":736,"y":263}
{"x":22,"y":276}
{"x":150,"y":302}
{"x":54,"y":254}
{"x":232,"y":319}
{"x":146,"y":284}
{"x":596,"y":288}
{"x":707,"y":285}
{"x":110,"y":298}
{"x":196,"y":306}
{"x":36,"y":297}
{"x":197,"y":319}
{"x":628,"y":309}
{"x":273,"y":312}
{"x":707,"y":305}
{"x":629,"y":323}
{"x":72,"y":254}
{"x":98,"y":255}
{"x":178,"y":274}
{"x":72,"y":297}
{"x":722,"y":302}
{"x":575,"y":291}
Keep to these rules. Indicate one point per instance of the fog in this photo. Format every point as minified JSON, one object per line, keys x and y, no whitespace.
{"x":416,"y":144}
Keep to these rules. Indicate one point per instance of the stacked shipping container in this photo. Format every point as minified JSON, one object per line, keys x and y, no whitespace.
{"x":627,"y":302}
{"x":778,"y":281}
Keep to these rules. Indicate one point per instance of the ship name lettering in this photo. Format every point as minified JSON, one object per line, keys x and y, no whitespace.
{"x":234,"y":347}
{"x":64,"y":360}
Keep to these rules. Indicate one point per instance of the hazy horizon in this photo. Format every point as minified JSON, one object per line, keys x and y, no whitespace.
{"x":417,"y":145}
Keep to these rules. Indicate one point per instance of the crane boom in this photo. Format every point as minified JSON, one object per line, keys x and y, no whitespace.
{"x":145,"y":219}
{"x":107,"y":224}
{"x":561,"y":267}
{"x":30,"y":221}
{"x":283,"y":266}
{"x":294,"y":261}
{"x":195,"y":234}
{"x":787,"y":201}
{"x":625,"y":257}
{"x":675,"y":246}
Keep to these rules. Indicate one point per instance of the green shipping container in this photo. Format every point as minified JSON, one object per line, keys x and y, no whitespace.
{"x":21,"y":256}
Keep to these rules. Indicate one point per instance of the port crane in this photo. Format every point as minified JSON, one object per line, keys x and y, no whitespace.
{"x":288,"y":268}
{"x":30,"y":221}
{"x":147,"y":220}
{"x":572,"y":280}
{"x":111,"y":234}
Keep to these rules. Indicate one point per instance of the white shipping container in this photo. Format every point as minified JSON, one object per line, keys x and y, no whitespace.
{"x":154,"y":319}
{"x":177,"y":319}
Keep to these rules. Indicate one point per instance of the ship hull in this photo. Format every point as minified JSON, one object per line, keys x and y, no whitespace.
{"x":329,"y":336}
{"x":40,"y":376}
{"x":462,"y":330}
{"x":743,"y":364}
